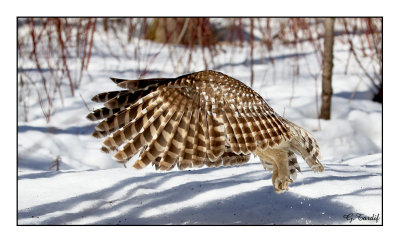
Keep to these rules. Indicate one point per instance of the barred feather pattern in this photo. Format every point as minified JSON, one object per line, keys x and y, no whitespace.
{"x":304,"y":144}
{"x":292,"y":164}
{"x":204,"y":118}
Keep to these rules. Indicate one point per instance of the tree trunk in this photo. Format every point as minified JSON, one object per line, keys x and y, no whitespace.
{"x":327,"y":70}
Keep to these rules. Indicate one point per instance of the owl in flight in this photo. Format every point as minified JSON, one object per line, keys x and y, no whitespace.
{"x":202,"y":118}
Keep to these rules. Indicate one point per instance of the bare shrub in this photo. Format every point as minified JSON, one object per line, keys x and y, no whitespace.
{"x":61,"y":48}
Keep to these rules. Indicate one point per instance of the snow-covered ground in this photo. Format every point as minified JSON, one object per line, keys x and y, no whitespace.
{"x":91,"y":188}
{"x":240,"y":195}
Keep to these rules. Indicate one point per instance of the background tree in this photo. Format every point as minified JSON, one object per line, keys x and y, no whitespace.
{"x":53,"y":52}
{"x":327,"y":69}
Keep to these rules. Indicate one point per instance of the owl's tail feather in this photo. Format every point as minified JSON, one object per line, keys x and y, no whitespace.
{"x":304,"y":144}
{"x":293,"y":165}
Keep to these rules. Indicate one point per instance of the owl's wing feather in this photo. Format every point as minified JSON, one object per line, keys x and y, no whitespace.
{"x":106,"y":96}
{"x":249,"y":128}
{"x":175,"y":141}
{"x":180,"y":139}
{"x":195,"y":124}
{"x":238,"y":132}
{"x":205,"y":118}
{"x":200,"y":146}
{"x":147,"y":113}
{"x":230,"y":126}
{"x":126,"y":121}
{"x":215,"y":133}
{"x":103,"y":113}
{"x":126,"y":99}
{"x":154,"y":148}
{"x":169,"y":153}
{"x":141,"y":84}
{"x":261,"y":137}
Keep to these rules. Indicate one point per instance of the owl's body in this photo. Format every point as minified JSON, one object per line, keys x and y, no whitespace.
{"x":203,"y":118}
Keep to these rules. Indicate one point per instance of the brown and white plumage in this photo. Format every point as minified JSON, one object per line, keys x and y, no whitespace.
{"x":203,"y":118}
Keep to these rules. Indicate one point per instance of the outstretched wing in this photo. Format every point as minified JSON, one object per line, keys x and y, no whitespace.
{"x":204,"y":118}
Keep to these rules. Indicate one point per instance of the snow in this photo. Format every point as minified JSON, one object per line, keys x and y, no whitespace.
{"x":91,"y":188}
{"x":240,"y":195}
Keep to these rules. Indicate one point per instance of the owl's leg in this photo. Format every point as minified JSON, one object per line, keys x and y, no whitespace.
{"x":279,"y":161}
{"x":281,"y":169}
{"x":274,"y":176}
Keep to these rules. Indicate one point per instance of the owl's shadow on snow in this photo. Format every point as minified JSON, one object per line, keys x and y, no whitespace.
{"x":257,"y":207}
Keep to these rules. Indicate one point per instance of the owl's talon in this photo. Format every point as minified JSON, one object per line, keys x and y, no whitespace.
{"x":317,"y":168}
{"x":282,"y":184}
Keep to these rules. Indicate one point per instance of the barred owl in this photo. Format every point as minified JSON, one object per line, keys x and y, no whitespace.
{"x":204,"y":118}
